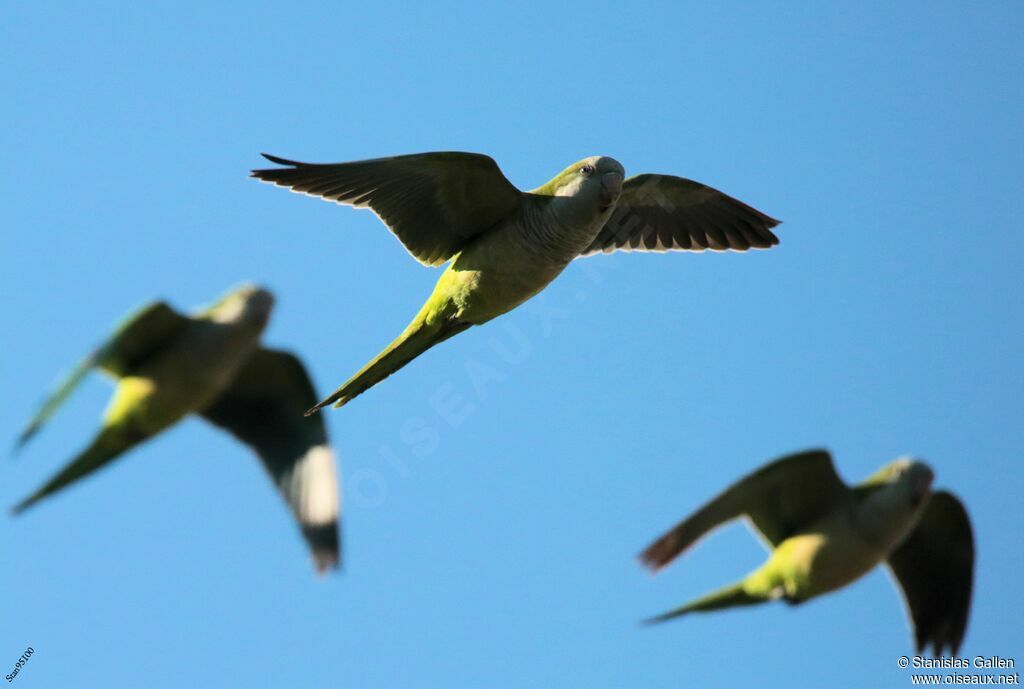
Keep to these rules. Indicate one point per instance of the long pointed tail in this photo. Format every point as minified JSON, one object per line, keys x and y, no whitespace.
{"x":416,"y":339}
{"x":55,"y":400}
{"x":726,"y":597}
{"x":108,"y":445}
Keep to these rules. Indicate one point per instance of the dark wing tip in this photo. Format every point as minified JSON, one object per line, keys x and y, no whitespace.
{"x":272,"y":174}
{"x":326,"y":559}
{"x":947,"y":635}
{"x":935,"y":646}
{"x":765,"y":230}
{"x":282,"y":161}
{"x":762,"y":230}
{"x":325,"y":543}
{"x":757,"y":225}
{"x":656,"y":556}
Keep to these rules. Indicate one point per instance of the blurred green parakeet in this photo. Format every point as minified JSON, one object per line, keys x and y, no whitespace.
{"x":824,"y":535}
{"x":504,"y":245}
{"x":168,"y":365}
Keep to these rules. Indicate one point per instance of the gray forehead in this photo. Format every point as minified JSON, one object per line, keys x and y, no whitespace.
{"x":606,"y":164}
{"x":902,"y":463}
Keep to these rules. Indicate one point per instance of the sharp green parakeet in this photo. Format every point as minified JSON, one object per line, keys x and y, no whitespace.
{"x":824,"y":535}
{"x":504,"y":245}
{"x":168,"y":365}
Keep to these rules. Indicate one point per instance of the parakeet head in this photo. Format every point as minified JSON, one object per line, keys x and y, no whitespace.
{"x":249,"y":305}
{"x":593,"y":184}
{"x":896,"y":495}
{"x":907,"y":478}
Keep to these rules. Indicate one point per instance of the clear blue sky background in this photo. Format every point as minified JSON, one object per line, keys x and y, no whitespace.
{"x":502,"y":554}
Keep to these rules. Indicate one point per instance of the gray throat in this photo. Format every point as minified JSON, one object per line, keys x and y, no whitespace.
{"x":550,"y":235}
{"x":879,"y":527}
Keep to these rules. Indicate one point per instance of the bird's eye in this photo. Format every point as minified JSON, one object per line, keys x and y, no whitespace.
{"x":587,"y":170}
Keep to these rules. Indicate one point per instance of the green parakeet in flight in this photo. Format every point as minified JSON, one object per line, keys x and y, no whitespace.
{"x":168,"y":365}
{"x":505,"y":245}
{"x":823,"y":535}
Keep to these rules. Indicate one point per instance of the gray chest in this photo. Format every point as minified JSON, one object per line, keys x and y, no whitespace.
{"x":559,"y":236}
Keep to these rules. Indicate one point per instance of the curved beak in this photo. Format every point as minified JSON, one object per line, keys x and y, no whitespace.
{"x":611,"y":188}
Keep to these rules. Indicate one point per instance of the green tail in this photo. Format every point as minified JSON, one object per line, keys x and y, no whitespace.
{"x":727,"y":597}
{"x":416,"y":339}
{"x":55,"y":400}
{"x":108,"y":445}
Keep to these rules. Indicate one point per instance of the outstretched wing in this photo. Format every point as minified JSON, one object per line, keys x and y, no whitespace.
{"x":935,"y":569}
{"x":134,"y":340}
{"x":433,"y":202}
{"x":264,"y":409}
{"x":665,"y":213}
{"x":779,"y":498}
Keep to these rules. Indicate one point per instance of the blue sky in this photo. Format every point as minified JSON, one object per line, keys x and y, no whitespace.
{"x":501,"y":553}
